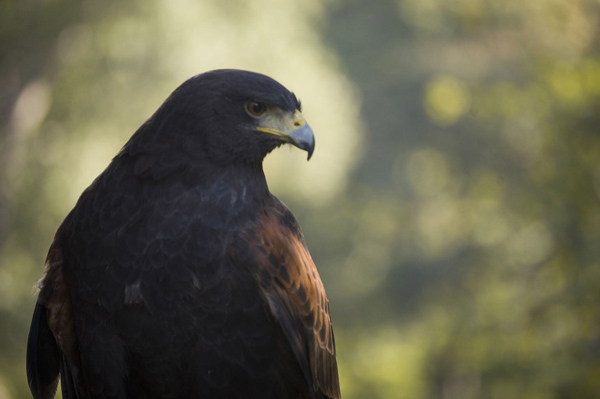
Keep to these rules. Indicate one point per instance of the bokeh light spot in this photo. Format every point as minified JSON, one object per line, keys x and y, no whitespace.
{"x":446,"y":99}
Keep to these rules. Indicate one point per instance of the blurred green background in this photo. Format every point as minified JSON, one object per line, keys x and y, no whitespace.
{"x":453,"y":202}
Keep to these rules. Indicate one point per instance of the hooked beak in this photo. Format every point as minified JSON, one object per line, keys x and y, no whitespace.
{"x":290,"y":129}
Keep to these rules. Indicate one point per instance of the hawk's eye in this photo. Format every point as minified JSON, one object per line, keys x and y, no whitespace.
{"x":256,"y":108}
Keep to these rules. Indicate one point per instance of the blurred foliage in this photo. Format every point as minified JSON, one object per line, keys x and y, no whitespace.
{"x":453,"y":204}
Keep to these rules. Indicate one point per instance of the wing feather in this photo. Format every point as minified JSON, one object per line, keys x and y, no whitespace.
{"x":291,"y":285}
{"x":43,"y":356}
{"x":51,"y":345}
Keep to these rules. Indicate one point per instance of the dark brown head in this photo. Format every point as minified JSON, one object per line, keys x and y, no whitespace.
{"x":225,"y":117}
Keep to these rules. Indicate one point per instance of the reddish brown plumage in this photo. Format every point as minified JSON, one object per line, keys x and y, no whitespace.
{"x":57,"y":302}
{"x":288,"y":277}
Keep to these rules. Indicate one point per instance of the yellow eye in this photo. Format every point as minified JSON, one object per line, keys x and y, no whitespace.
{"x":256,"y":108}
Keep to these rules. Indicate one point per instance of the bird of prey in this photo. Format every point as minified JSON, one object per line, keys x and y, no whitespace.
{"x":178,"y":274}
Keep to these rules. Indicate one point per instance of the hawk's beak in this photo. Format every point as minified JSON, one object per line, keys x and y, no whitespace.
{"x":291,"y":129}
{"x":304,"y":139}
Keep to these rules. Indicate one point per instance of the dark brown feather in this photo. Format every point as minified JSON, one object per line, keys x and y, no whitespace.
{"x":52,"y":335}
{"x":57,"y":302}
{"x":291,"y":285}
